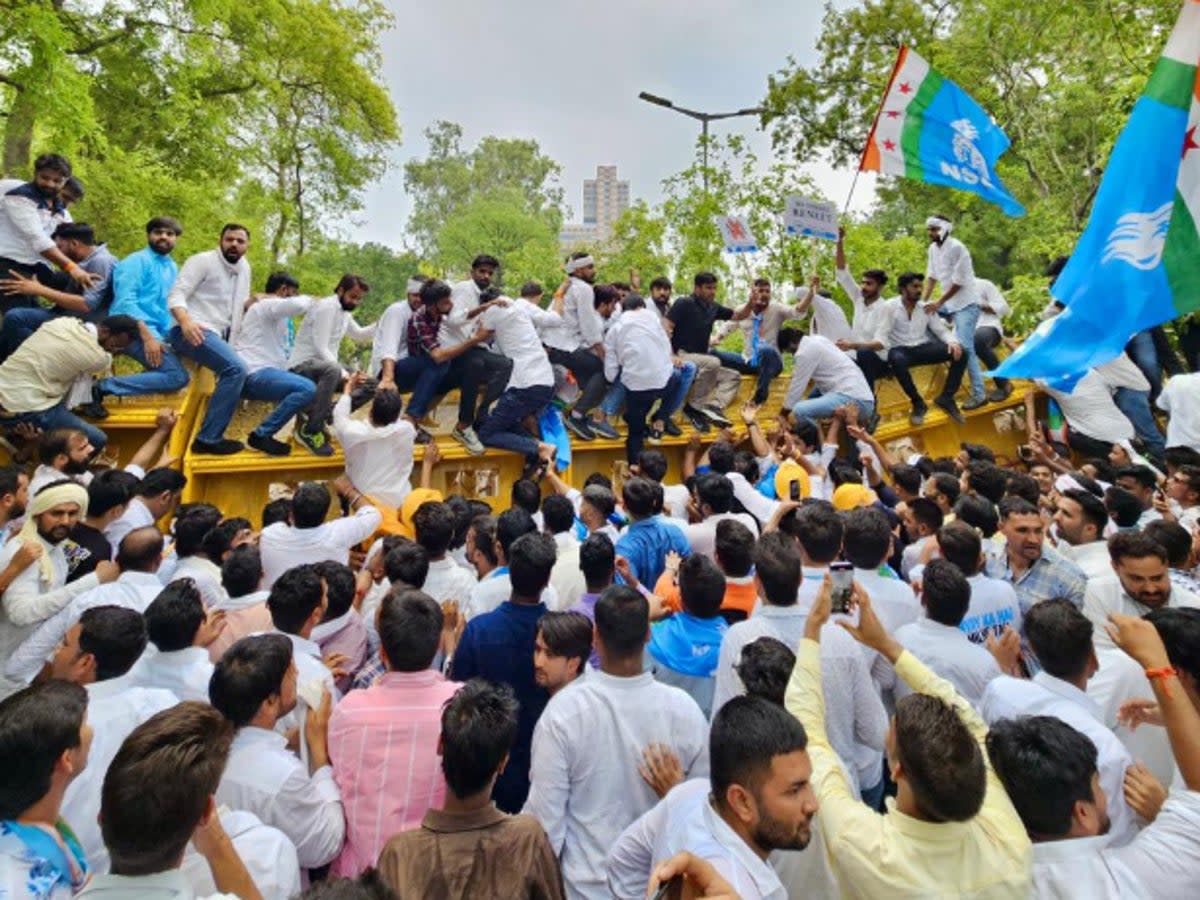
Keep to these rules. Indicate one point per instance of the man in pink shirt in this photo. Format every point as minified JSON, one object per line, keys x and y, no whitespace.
{"x":383,"y":741}
{"x":342,"y":631}
{"x":246,"y":606}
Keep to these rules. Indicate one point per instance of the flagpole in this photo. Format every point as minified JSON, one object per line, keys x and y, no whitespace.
{"x":874,"y":124}
{"x":850,"y":195}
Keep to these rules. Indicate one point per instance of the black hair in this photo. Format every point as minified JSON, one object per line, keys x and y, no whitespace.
{"x":747,"y":734}
{"x":1020,"y":485}
{"x":434,"y":291}
{"x":820,"y":530}
{"x":485,"y":538}
{"x":530,"y":562}
{"x":37,"y":726}
{"x":661,"y":282}
{"x":433,"y":523}
{"x":734,"y":547}
{"x":1015,"y":506}
{"x":558,"y":513}
{"x":908,"y":278}
{"x":54,"y":162}
{"x":1092,"y":509}
{"x":622,"y":621}
{"x":1060,"y":636}
{"x":248,"y":674}
{"x":276,"y":511}
{"x":946,"y":485}
{"x":715,"y":492}
{"x":486,"y":259}
{"x":407,"y":564}
{"x":1179,"y":628}
{"x":704,"y":278}
{"x":907,"y":478}
{"x":720,"y":457}
{"x":766,"y":668}
{"x":1123,"y":507}
{"x":349,"y":282}
{"x":652,"y":464}
{"x":511,"y":524}
{"x":868,"y":537}
{"x":277,"y":281}
{"x":174,"y":616}
{"x":108,"y":490}
{"x":926,"y":512}
{"x":386,"y":407}
{"x":639,"y":496}
{"x":294,"y":596}
{"x":115,"y":636}
{"x":1173,"y":538}
{"x":1134,"y":545}
{"x":945,"y":593}
{"x":567,"y":634}
{"x":942,"y":759}
{"x":242,"y":571}
{"x":159,"y":481}
{"x":76,"y":231}
{"x":596,"y":561}
{"x":701,"y":586}
{"x":987,"y":479}
{"x":219,"y":539}
{"x":961,"y":546}
{"x":410,"y":629}
{"x":463,"y":514}
{"x":778,"y":567}
{"x":340,"y":588}
{"x":234,"y":226}
{"x":527,"y":495}
{"x":310,"y":504}
{"x":1143,"y":475}
{"x":479,"y":726}
{"x":164,"y":223}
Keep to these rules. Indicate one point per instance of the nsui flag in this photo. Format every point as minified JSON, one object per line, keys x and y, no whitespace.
{"x":1137,"y":264}
{"x":929,"y":129}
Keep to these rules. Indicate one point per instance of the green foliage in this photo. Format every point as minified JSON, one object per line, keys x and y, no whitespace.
{"x":638,"y":244}
{"x":385,"y":270}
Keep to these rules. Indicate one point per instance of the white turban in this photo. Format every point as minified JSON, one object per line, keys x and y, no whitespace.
{"x":414,"y":286}
{"x":44,"y":501}
{"x":574,"y":265}
{"x":942,"y":225}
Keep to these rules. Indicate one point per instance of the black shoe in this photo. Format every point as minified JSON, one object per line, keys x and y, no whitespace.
{"x":717,"y":417}
{"x":975,"y":403}
{"x":872,"y":423}
{"x":423,"y":436}
{"x":268,"y":445}
{"x":917,"y":417}
{"x":947,"y":405}
{"x":604,"y":429}
{"x":95,"y":409}
{"x":1000,"y":394}
{"x":669,"y":427}
{"x":316,"y":442}
{"x":698,"y":419}
{"x":223,"y":447}
{"x":580,"y":427}
{"x":655,"y":434}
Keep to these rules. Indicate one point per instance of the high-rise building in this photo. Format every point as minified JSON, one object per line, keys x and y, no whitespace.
{"x":605,"y":197}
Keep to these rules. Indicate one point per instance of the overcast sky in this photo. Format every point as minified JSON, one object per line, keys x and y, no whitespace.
{"x":568,"y":73}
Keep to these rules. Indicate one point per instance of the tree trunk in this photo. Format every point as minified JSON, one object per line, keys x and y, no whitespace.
{"x":18,"y":135}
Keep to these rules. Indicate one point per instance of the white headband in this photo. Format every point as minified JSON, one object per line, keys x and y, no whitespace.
{"x":574,"y":265}
{"x":939,"y":223}
{"x":414,"y":286}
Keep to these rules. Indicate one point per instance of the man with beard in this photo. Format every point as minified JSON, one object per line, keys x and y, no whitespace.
{"x":692,"y":319}
{"x":141,"y":282}
{"x":757,"y":798}
{"x":315,"y":355}
{"x":391,"y":335}
{"x":42,"y":590}
{"x":207,"y":302}
{"x":14,"y":497}
{"x":760,"y":339}
{"x":579,"y":347}
{"x":62,"y":453}
{"x":1079,"y":521}
{"x":29,"y":214}
{"x":476,"y":366}
{"x":1035,"y":571}
{"x":1141,"y":582}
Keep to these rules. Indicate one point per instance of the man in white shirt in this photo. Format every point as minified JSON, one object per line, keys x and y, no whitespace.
{"x":1080,"y":520}
{"x":530,"y":387}
{"x":1177,"y":400}
{"x":391,"y":335}
{"x":315,"y":355}
{"x":379,"y":450}
{"x":1141,"y":582}
{"x":1183,"y":490}
{"x":254,"y":686}
{"x":180,"y":631}
{"x":309,"y":538}
{"x":207,"y":301}
{"x":1061,"y":638}
{"x":1094,"y":421}
{"x":145,"y":793}
{"x":818,"y":361}
{"x":756,"y":800}
{"x":194,"y":555}
{"x":579,"y":345}
{"x":994,"y":605}
{"x":637,"y":350}
{"x":558,"y":521}
{"x":937,"y":640}
{"x":98,"y":653}
{"x":866,"y":295}
{"x":714,"y":494}
{"x":153,"y":498}
{"x":433,"y":525}
{"x":496,"y":587}
{"x":262,"y":343}
{"x":989,"y":334}
{"x":41,"y":589}
{"x":587,"y":746}
{"x":138,"y":558}
{"x":949,"y":264}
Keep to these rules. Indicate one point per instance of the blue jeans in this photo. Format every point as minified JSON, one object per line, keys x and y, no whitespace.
{"x":213,"y":353}
{"x":170,"y":376}
{"x":1136,"y":407}
{"x":421,"y":375}
{"x":502,"y":427}
{"x":59,"y":417}
{"x":676,"y":392}
{"x":965,"y":321}
{"x":289,"y":392}
{"x":768,"y":367}
{"x":19,"y":324}
{"x":822,"y":407}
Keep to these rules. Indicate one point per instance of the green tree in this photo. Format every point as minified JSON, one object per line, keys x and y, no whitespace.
{"x":638,"y":244}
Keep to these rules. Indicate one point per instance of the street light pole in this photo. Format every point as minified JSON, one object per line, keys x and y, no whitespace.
{"x":704,"y":118}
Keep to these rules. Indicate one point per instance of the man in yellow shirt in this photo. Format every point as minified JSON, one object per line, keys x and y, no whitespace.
{"x":951,"y":831}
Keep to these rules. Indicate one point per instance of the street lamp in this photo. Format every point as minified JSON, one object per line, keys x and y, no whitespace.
{"x":703,"y":117}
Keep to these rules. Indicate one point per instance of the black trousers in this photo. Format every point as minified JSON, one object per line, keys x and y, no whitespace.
{"x":40,"y":271}
{"x":588,"y":370}
{"x":987,"y":339}
{"x":901,"y":359}
{"x":468,"y":372}
{"x":637,"y":407}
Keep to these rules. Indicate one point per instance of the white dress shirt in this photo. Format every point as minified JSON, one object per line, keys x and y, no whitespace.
{"x":899,"y":326}
{"x":1091,"y":557}
{"x":702,"y":536}
{"x":1119,"y":679}
{"x":990,"y":295}
{"x":993,"y":605}
{"x":1091,"y":410}
{"x":584,"y":782}
{"x":262,"y":338}
{"x":1106,"y":595}
{"x":638,"y":349}
{"x":170,"y":885}
{"x":26,"y":226}
{"x":115,"y":708}
{"x":581,"y":324}
{"x":675,"y":500}
{"x":379,"y":459}
{"x":269,"y":856}
{"x":686,"y":820}
{"x":265,"y":778}
{"x":866,"y":316}
{"x":447,"y":580}
{"x":566,"y":578}
{"x":1122,"y":372}
{"x":1178,"y":398}
{"x":30,"y":600}
{"x":391,"y":336}
{"x":185,"y":673}
{"x":950,"y":263}
{"x":455,"y":328}
{"x":517,"y":338}
{"x":828,"y":319}
{"x":284,"y":546}
{"x":136,"y":515}
{"x":950,"y":654}
{"x":203,"y":571}
{"x":819,"y":361}
{"x":44,"y":475}
{"x":320,"y":334}
{"x":312,"y":675}
{"x":131,"y":590}
{"x":896,"y":606}
{"x":212,"y":291}
{"x":1044,"y":695}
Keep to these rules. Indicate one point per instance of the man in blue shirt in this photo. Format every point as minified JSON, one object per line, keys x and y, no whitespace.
{"x":141,"y":282}
{"x":685,"y":647}
{"x":499,"y":646}
{"x":649,"y":537}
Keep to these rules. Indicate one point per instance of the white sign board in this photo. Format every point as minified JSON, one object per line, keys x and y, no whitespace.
{"x":810,"y":218}
{"x":736,"y":233}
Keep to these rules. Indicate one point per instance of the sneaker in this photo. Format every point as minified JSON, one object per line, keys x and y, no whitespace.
{"x":95,"y":408}
{"x":264,"y":443}
{"x":917,"y":417}
{"x":1000,"y":394}
{"x":423,"y":436}
{"x":604,"y":429}
{"x":655,"y":434}
{"x":316,"y":442}
{"x":223,"y":447}
{"x":975,"y":403}
{"x":698,"y":419}
{"x":580,"y":427}
{"x":947,"y":405}
{"x":669,"y":427}
{"x":469,"y":439}
{"x":717,"y":417}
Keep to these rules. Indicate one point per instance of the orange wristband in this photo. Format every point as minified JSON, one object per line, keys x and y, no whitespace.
{"x":1164,"y":673}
